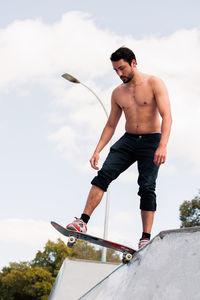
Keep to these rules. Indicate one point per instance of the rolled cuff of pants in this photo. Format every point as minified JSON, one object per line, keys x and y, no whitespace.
{"x":101,"y":182}
{"x":148,"y":203}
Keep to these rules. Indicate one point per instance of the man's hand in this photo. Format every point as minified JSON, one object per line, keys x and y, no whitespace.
{"x":94,"y":160}
{"x":160,"y":155}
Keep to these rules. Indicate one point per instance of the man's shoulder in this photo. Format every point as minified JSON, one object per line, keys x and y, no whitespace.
{"x":154,"y":80}
{"x":156,"y":83}
{"x":118,"y":89}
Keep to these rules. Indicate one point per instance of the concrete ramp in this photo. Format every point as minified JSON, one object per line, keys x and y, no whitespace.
{"x":168,"y":268}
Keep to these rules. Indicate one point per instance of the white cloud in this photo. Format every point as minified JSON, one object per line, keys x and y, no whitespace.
{"x":26,"y":232}
{"x":55,"y":118}
{"x":65,"y":140}
{"x":124,"y":217}
{"x":128,"y":176}
{"x":31,"y":49}
{"x":168,"y":168}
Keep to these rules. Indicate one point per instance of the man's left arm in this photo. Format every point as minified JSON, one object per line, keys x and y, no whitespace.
{"x":163,"y":104}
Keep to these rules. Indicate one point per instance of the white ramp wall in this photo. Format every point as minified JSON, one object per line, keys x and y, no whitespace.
{"x":166,"y":269}
{"x":76,"y":277}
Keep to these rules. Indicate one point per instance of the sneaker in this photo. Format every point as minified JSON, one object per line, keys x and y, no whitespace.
{"x":77,"y":225}
{"x":143,"y":243}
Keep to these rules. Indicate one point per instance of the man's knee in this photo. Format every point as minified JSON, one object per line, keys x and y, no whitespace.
{"x":148,"y":204}
{"x":102,"y":181}
{"x":148,"y":198}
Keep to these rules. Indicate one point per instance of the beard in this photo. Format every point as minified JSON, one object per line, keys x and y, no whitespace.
{"x":128,"y":78}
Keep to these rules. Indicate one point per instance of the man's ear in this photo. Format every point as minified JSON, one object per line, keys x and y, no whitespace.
{"x":133,"y":63}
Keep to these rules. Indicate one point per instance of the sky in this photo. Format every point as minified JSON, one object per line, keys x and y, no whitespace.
{"x":49,"y":127}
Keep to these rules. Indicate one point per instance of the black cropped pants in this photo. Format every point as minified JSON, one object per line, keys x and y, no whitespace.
{"x":127,"y":150}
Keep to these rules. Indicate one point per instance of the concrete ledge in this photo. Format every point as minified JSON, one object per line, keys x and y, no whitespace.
{"x":162,"y":234}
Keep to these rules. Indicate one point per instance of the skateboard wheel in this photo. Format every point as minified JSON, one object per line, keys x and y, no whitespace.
{"x":71,"y":241}
{"x":127,"y":257}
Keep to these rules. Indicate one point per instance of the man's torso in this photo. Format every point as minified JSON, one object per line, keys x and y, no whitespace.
{"x":139,"y":106}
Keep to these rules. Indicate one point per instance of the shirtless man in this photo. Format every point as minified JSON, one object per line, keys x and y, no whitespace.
{"x":142,"y":98}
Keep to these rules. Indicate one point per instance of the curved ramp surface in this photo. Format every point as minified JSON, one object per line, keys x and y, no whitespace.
{"x":168,"y":268}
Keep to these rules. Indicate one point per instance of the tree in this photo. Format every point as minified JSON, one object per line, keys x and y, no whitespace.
{"x":190,"y":212}
{"x":52,"y":257}
{"x":112,"y":256}
{"x":19,"y":281}
{"x":84,"y":250}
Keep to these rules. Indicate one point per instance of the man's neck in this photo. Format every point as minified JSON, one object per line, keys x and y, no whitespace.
{"x":137,"y":79}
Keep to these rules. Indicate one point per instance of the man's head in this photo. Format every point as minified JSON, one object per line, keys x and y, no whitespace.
{"x":124,"y":62}
{"x":123,"y":53}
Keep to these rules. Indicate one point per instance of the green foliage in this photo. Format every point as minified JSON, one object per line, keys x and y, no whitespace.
{"x":33,"y":280}
{"x":190,"y":212}
{"x":19,"y":281}
{"x":83,"y":250}
{"x":86,"y":251}
{"x":52,"y":257}
{"x":112,"y":256}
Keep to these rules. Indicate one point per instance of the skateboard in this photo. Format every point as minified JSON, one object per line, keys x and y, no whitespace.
{"x":75,"y":235}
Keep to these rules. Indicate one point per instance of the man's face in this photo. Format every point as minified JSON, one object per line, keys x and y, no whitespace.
{"x":123,"y":70}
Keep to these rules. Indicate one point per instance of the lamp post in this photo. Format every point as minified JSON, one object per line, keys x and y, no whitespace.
{"x":75,"y":80}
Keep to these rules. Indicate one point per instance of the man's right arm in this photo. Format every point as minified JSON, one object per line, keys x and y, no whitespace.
{"x":108,"y":130}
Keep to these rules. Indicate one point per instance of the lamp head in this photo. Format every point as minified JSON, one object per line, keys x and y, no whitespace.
{"x":70,"y":78}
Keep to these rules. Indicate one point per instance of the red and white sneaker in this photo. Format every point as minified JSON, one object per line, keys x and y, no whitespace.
{"x":77,"y":225}
{"x":143,"y":243}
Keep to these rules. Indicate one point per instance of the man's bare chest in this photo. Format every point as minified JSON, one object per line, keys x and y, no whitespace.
{"x":136,"y":99}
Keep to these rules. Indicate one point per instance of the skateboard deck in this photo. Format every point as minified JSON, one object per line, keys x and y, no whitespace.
{"x":127,"y":251}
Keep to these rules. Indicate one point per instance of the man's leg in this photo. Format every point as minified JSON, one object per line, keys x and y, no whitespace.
{"x":94,"y":198}
{"x":148,"y":172}
{"x":147,"y":220}
{"x":117,"y":161}
{"x":147,"y":223}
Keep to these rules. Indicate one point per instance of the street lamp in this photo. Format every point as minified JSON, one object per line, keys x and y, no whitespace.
{"x":75,"y":80}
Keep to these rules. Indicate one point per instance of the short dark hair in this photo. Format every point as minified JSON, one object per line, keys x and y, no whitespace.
{"x":123,"y":53}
